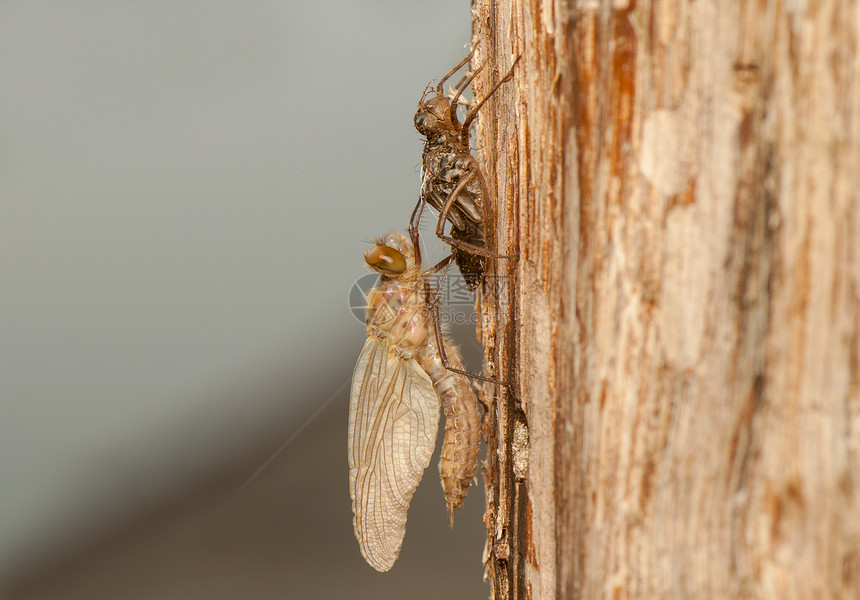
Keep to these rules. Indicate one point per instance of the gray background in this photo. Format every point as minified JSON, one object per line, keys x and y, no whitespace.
{"x":186,"y":189}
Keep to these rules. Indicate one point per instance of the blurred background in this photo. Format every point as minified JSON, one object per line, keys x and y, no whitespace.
{"x":186,"y":190}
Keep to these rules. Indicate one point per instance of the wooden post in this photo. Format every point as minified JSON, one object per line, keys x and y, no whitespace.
{"x":682,"y":325}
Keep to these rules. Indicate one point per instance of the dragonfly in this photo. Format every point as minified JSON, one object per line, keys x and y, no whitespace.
{"x":452,"y":181}
{"x":405,"y":371}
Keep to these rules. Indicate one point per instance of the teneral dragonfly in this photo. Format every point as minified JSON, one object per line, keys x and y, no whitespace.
{"x":452,"y":181}
{"x":400,"y":380}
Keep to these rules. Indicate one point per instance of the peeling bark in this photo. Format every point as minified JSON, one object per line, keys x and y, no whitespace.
{"x":682,"y":325}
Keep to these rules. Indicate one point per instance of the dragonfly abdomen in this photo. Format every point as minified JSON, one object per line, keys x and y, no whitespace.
{"x":459,"y":459}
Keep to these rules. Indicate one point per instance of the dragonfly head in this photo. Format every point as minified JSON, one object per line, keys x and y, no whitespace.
{"x":391,"y":256}
{"x":433,"y":116}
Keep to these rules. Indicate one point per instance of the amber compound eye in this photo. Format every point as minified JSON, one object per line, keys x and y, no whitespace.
{"x":385,"y":260}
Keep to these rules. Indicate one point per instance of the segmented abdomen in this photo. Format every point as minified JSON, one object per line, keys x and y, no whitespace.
{"x":444,"y":168}
{"x":459,"y":459}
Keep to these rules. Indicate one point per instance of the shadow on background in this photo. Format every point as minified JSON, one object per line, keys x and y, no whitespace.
{"x":287,"y":534}
{"x":187,"y":190}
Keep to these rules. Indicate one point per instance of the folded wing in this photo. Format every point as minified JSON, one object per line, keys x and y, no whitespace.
{"x":393,"y":420}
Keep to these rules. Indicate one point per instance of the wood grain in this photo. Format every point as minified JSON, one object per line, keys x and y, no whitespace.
{"x":682,"y":324}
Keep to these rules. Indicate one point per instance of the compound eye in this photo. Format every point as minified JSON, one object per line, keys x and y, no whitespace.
{"x":385,"y":259}
{"x":425,"y":121}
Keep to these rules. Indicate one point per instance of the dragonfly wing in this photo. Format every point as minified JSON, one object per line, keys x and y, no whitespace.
{"x":393,"y":420}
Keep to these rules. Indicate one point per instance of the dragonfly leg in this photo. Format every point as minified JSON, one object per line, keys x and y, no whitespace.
{"x":440,"y":341}
{"x":452,"y":71}
{"x":443,"y":216}
{"x":460,"y":90}
{"x":474,"y":112}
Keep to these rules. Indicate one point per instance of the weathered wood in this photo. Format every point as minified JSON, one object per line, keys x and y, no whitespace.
{"x":682,"y":326}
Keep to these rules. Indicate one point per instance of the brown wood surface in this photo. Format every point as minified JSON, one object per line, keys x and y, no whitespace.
{"x":682,"y":325}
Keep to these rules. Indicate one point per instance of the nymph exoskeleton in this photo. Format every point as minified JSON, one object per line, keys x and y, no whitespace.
{"x":404,"y":372}
{"x":452,"y":181}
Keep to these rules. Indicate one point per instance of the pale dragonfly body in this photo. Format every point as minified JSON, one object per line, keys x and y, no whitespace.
{"x":397,"y":387}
